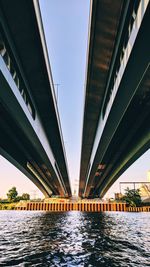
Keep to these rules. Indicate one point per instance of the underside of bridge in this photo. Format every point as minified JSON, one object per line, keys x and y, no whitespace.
{"x":30,"y":130}
{"x":117,"y":97}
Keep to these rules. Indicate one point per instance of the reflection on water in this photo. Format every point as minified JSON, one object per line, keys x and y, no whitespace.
{"x":74,"y":239}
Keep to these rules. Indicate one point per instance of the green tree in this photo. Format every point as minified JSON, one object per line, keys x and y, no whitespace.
{"x":12,"y":194}
{"x":132,"y":197}
{"x":25,"y":196}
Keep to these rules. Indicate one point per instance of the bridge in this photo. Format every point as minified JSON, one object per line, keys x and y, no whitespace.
{"x":30,"y":130}
{"x":116,"y":129}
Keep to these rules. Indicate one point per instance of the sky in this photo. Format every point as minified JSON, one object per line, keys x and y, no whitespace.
{"x":66,"y":29}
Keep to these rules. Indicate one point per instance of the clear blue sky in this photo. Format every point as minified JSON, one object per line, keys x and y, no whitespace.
{"x":66,"y":29}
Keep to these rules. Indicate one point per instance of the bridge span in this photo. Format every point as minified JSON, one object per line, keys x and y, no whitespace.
{"x":30,"y":130}
{"x":116,"y":129}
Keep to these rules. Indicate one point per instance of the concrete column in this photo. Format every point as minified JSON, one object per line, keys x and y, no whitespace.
{"x":61,"y":206}
{"x":57,"y":206}
{"x":109,"y":206}
{"x":79,"y":206}
{"x":101,"y":206}
{"x":123,"y":205}
{"x":75,"y":206}
{"x":117,"y":207}
{"x":46,"y":206}
{"x":120,"y":207}
{"x":104,"y":207}
{"x":49,"y":206}
{"x":52,"y":207}
{"x":114,"y":206}
{"x":87,"y":205}
{"x":94,"y":207}
{"x":66,"y":206}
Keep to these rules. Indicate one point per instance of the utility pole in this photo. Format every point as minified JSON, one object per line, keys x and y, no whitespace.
{"x":76,"y":183}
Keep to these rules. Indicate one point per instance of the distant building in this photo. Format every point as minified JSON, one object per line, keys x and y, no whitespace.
{"x":145,"y":189}
{"x":148,"y":176}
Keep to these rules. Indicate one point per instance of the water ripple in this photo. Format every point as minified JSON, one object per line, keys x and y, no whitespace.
{"x":74,"y":239}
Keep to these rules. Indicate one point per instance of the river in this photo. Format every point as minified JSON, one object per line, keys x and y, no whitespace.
{"x":109,"y":239}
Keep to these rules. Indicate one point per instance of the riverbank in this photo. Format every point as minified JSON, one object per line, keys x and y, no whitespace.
{"x":8,"y":206}
{"x":88,"y":206}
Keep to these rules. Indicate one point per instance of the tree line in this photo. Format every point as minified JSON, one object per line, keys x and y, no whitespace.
{"x":12,"y":196}
{"x":132,"y":197}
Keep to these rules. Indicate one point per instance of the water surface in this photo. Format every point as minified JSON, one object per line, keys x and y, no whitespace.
{"x":110,"y":239}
